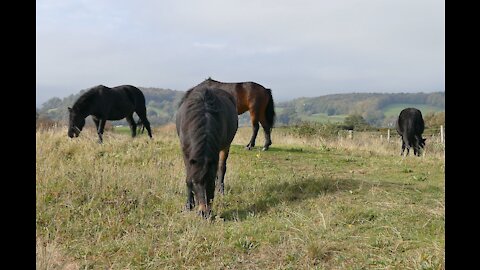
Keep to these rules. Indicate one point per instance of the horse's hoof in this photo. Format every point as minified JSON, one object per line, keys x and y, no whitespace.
{"x":205,"y":214}
{"x":189,"y":206}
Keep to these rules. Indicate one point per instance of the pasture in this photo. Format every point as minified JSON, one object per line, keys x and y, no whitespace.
{"x":307,"y":203}
{"x":394,"y":109}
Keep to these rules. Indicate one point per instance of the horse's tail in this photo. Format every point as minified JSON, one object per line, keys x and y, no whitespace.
{"x":270,"y":111}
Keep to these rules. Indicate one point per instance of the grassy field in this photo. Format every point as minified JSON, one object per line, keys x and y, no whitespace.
{"x":307,"y":203}
{"x":395,"y":109}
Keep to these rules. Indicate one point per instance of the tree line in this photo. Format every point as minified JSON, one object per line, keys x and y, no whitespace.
{"x":162,"y":105}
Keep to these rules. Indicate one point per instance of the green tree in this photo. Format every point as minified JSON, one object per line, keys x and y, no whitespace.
{"x":51,"y":103}
{"x":355,"y":122}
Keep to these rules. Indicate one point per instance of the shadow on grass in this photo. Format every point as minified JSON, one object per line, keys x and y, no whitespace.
{"x":289,"y":150}
{"x":296,"y":191}
{"x":258,"y":148}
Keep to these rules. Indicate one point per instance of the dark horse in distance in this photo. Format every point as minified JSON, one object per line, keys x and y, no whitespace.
{"x":410,"y":126}
{"x":104,"y":103}
{"x":256,"y":99}
{"x":206,"y":123}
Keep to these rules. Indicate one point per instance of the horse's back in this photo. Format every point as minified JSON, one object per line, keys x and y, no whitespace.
{"x":203,"y":102}
{"x":132,"y":93}
{"x":248,"y":95}
{"x":236,"y":88}
{"x":228,"y":115}
{"x":129,"y":89}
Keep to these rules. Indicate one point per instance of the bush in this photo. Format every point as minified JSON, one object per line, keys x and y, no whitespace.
{"x":311,"y":129}
{"x":355,"y":122}
{"x":434,"y":120}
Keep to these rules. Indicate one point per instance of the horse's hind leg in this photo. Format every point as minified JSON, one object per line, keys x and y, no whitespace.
{"x":403,"y":148}
{"x":140,"y":126}
{"x":222,"y":168}
{"x":255,"y":126}
{"x":190,"y":198}
{"x":267,"y":131}
{"x":133,"y":125}
{"x":142,"y":114}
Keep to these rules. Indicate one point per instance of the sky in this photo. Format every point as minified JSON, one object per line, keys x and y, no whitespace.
{"x":302,"y":48}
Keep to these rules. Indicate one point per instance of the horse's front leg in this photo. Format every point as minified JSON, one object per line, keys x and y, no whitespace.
{"x":96,"y":121}
{"x":267,"y":131}
{"x":190,"y":199}
{"x":222,"y":168}
{"x":101,"y":128}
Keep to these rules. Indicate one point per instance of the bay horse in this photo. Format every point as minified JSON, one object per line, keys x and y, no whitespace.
{"x":104,"y":103}
{"x":256,"y":99}
{"x":206,"y":124}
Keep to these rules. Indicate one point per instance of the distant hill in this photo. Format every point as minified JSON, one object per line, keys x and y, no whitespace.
{"x":378,"y":109}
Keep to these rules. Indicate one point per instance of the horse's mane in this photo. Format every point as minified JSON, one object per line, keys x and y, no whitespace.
{"x":211,"y":80}
{"x":202,"y":107}
{"x":85,"y":98}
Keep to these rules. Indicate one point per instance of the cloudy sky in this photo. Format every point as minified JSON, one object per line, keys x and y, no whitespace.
{"x":296,"y":48}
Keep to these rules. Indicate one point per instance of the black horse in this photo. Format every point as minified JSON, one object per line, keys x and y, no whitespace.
{"x":410,"y":127}
{"x":206,"y":124}
{"x":104,"y":103}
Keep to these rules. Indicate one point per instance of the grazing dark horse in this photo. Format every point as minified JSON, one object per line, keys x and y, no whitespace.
{"x":104,"y":103}
{"x":206,"y":123}
{"x":410,"y":126}
{"x":256,"y":99}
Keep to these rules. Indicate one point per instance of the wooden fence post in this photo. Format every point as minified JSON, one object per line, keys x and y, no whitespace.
{"x":442,"y":134}
{"x":350,"y":134}
{"x":388,"y":135}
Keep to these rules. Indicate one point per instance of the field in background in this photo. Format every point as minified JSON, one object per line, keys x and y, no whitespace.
{"x":308,"y":202}
{"x":395,"y":109}
{"x":324,"y":118}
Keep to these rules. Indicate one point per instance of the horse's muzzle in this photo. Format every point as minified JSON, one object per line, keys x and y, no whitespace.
{"x":73,"y":132}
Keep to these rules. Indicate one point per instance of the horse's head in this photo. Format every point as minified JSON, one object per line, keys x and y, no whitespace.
{"x":202,"y":173}
{"x":75,"y":123}
{"x":419,"y":145}
{"x":422,"y":142}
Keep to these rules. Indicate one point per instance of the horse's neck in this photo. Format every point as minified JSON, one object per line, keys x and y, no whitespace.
{"x":84,"y":110}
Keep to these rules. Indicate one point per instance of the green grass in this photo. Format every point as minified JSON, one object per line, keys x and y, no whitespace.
{"x":395,"y":109}
{"x":304,"y":204}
